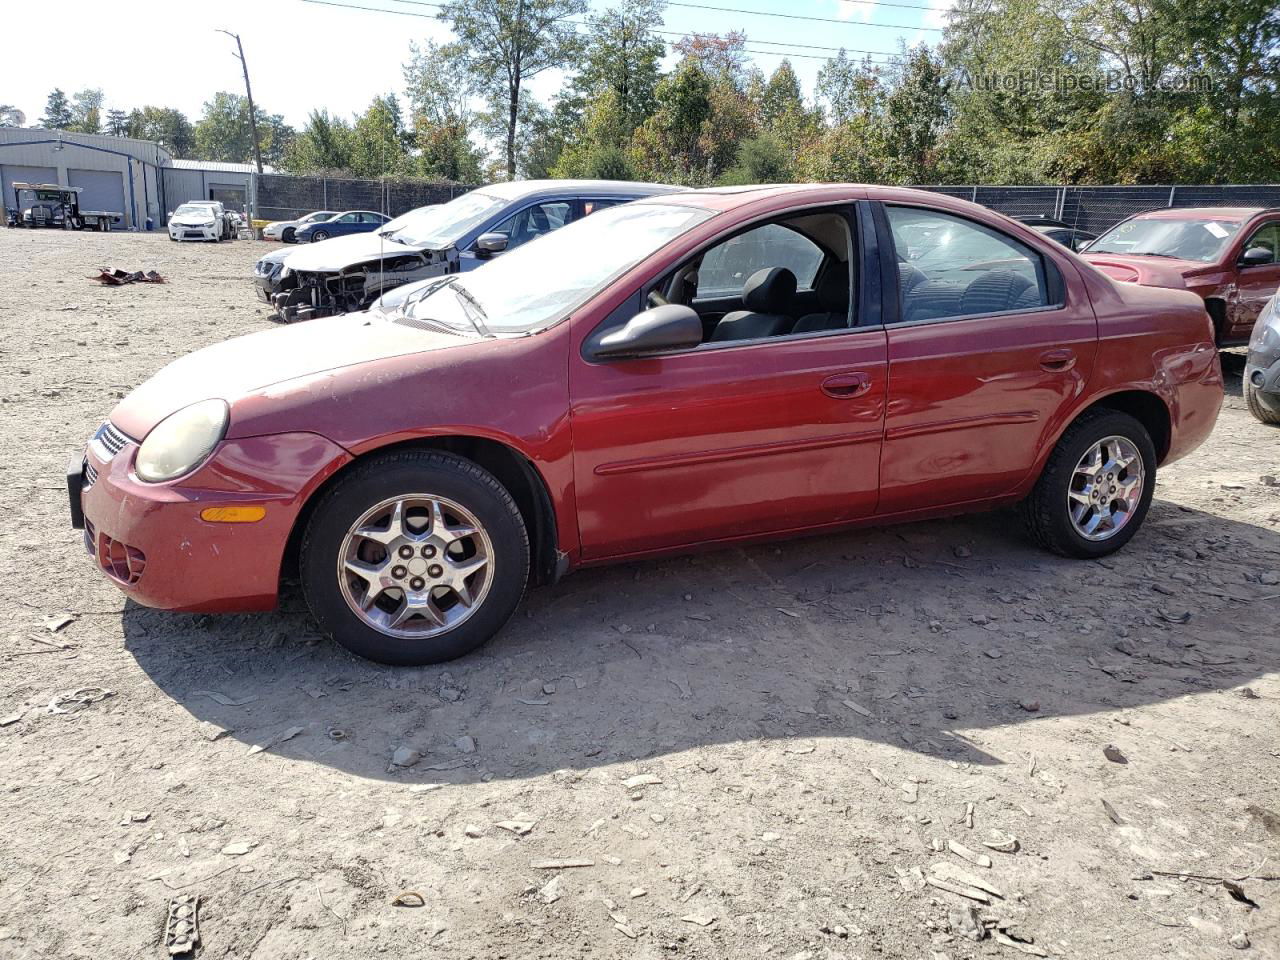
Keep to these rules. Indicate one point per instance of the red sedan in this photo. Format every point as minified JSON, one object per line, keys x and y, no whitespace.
{"x":695,"y":369}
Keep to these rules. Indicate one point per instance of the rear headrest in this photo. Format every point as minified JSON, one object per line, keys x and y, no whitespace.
{"x":770,"y":290}
{"x":833,"y":289}
{"x":993,"y":292}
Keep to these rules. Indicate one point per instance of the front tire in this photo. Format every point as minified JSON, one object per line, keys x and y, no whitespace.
{"x":1096,"y":487}
{"x":318,"y":236}
{"x":286,"y":235}
{"x":1263,"y":409}
{"x":414,"y":558}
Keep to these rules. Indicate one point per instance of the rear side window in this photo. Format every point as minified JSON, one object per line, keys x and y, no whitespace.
{"x":952,"y":267}
{"x":726,"y":267}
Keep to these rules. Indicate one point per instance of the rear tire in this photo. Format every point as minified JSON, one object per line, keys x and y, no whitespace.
{"x":370,"y":615}
{"x":1263,"y":410}
{"x":286,"y":235}
{"x":1048,"y":511}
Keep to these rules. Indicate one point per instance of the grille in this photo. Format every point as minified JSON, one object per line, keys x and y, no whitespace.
{"x":111,"y":438}
{"x":90,"y":476}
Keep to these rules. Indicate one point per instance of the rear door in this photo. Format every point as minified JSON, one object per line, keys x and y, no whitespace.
{"x":985,"y":347}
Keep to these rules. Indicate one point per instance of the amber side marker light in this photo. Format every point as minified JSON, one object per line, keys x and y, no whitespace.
{"x":233,"y":514}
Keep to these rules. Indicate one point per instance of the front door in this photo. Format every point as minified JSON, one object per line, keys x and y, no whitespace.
{"x":736,"y":437}
{"x":1255,"y":285}
{"x":986,"y":351}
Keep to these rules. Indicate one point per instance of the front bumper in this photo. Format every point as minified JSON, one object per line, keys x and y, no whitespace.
{"x":180,"y":231}
{"x":1264,"y":377}
{"x":149,"y":538}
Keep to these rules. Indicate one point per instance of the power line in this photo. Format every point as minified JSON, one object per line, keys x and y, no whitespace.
{"x":788,"y":49}
{"x":753,"y":13}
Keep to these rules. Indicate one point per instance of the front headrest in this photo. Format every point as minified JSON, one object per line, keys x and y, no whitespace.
{"x":770,"y":290}
{"x":833,"y":289}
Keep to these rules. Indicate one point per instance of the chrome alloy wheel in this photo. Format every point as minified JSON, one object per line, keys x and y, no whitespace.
{"x":1106,"y":488}
{"x":415,"y":566}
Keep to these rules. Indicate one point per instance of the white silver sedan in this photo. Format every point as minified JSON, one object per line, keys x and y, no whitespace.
{"x":283,"y":230}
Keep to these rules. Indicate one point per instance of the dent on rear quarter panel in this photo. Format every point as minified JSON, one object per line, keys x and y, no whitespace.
{"x":1160,"y":341}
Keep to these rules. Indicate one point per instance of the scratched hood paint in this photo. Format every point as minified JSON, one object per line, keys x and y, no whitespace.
{"x":235,"y":368}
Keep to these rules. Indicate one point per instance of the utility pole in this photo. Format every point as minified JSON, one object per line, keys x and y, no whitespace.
{"x":248,"y":91}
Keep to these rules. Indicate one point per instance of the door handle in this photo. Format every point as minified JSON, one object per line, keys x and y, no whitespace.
{"x":846,"y":385}
{"x":1058,"y":361}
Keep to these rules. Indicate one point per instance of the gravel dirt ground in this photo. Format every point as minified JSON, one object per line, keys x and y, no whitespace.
{"x":758,"y":752}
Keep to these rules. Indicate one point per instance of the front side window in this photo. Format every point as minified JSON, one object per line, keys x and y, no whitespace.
{"x":348,"y":218}
{"x":727,"y":267}
{"x":1191,"y":238}
{"x":1267,"y":237}
{"x":952,"y":267}
{"x":531,"y":223}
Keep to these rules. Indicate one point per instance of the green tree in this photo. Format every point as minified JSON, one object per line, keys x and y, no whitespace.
{"x":9,"y":115}
{"x":602,"y":146}
{"x":86,"y":111}
{"x":761,"y":159}
{"x":506,"y":44}
{"x":166,"y":126}
{"x":224,"y":133}
{"x":57,"y":111}
{"x":377,"y":145}
{"x":669,"y":144}
{"x":323,"y":146}
{"x":624,"y":55}
{"x":117,"y":123}
{"x":915,"y":113}
{"x":440,"y":88}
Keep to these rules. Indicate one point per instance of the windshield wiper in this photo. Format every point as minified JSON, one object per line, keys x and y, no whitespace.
{"x":471,"y":307}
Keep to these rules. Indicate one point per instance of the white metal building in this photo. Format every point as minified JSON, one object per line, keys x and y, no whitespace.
{"x":137,"y":178}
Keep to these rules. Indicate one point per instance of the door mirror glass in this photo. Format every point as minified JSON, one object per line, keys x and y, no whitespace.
{"x":491,"y":243}
{"x":669,"y":327}
{"x":1257,"y":256}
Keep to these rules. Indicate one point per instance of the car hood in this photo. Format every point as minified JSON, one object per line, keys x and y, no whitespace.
{"x":1148,"y":271}
{"x":236,"y":368}
{"x":339,"y":253}
{"x":194,"y":219}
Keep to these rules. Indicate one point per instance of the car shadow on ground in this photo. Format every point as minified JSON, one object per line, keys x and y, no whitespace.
{"x":916,"y":636}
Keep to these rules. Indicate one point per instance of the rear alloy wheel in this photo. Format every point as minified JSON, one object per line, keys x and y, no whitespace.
{"x":318,"y":236}
{"x":286,"y":235}
{"x":415,"y":558}
{"x":1096,"y":487}
{"x":1263,"y":408}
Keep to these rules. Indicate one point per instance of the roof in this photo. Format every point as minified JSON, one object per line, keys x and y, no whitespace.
{"x":522,"y":189}
{"x":1234,"y":214}
{"x":214,"y":166}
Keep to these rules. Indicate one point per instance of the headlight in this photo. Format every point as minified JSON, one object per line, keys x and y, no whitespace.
{"x":208,"y":224}
{"x":182,"y":441}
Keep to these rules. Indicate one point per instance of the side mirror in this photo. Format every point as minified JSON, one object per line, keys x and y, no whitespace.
{"x":491,"y":243}
{"x":170,"y":213}
{"x":672,"y":326}
{"x":1256,"y":257}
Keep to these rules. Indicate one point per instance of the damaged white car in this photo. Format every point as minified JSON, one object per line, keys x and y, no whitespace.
{"x":345,"y":274}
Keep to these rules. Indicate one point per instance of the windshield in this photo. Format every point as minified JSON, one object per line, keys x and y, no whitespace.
{"x":1190,"y":239}
{"x":445,"y":223}
{"x":537,"y":284}
{"x":193,"y":210}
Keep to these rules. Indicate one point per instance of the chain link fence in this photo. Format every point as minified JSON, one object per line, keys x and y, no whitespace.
{"x":281,"y":197}
{"x":1097,"y":208}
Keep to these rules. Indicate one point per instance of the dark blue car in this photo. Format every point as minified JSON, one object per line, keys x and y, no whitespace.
{"x":353,"y":221}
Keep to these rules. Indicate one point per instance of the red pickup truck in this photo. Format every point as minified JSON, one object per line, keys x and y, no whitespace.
{"x":1227,"y":255}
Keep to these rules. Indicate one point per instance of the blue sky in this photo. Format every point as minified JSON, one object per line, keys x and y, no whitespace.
{"x":304,"y":55}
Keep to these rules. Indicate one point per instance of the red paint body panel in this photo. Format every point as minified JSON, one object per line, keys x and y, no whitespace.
{"x":725,"y":443}
{"x":1243,"y":291}
{"x":213,"y":567}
